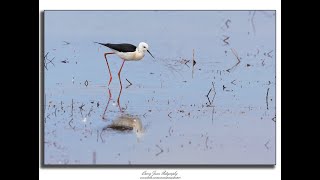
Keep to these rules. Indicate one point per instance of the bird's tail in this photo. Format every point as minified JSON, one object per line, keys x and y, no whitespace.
{"x":101,"y":43}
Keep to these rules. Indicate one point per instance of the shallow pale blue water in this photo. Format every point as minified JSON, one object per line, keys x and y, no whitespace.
{"x":168,"y":97}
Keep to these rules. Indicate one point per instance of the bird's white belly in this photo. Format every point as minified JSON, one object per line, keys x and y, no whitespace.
{"x":130,"y":56}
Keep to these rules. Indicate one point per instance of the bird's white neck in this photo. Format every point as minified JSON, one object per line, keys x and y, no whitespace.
{"x":139,"y":54}
{"x":140,"y":50}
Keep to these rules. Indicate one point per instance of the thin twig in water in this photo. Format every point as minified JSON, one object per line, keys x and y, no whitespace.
{"x":269,"y":54}
{"x":212,"y":114}
{"x":182,"y":61}
{"x":45,"y":56}
{"x":66,"y":43}
{"x":208,"y":105}
{"x":252,"y":23}
{"x":81,"y":107}
{"x":214,"y":95}
{"x":267,"y":96}
{"x":70,"y":123}
{"x":97,"y":135}
{"x":61,"y":106}
{"x":193,"y":62}
{"x":45,"y":66}
{"x":214,"y":90}
{"x":209,"y":92}
{"x":161,"y":150}
{"x":129,"y":84}
{"x":266,"y":144}
{"x":101,"y":136}
{"x":186,"y":61}
{"x":129,"y":81}
{"x":226,"y":23}
{"x":45,"y":62}
{"x":51,"y":61}
{"x":55,"y":112}
{"x":236,"y":55}
{"x":207,"y":142}
{"x":71,"y":108}
{"x":225,"y":40}
{"x":89,"y":112}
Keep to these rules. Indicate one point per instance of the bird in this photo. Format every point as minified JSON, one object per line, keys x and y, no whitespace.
{"x":127,"y":52}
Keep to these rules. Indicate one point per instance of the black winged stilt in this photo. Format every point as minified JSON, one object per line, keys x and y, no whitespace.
{"x":127,"y":52}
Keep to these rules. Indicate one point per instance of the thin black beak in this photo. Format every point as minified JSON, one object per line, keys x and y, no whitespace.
{"x":150,"y":53}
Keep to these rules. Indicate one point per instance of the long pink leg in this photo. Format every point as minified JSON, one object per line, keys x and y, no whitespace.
{"x":121,"y":68}
{"x":120,"y":86}
{"x":119,"y":99}
{"x":110,"y":95}
{"x":105,"y":56}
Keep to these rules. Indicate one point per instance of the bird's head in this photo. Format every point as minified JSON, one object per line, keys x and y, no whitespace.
{"x":144,"y":47}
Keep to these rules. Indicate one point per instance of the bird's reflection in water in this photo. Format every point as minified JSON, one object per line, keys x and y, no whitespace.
{"x":118,"y":101}
{"x":127,"y":123}
{"x":124,"y":123}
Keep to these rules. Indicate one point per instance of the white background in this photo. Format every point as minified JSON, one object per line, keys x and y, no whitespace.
{"x":185,"y":173}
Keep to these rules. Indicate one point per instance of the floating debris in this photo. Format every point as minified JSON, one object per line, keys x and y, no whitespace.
{"x":223,"y":87}
{"x":65,"y":61}
{"x":66,"y":43}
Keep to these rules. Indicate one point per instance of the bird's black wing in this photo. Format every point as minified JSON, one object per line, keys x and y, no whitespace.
{"x":122,"y":47}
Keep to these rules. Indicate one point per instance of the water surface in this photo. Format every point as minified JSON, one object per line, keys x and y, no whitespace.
{"x":215,"y":112}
